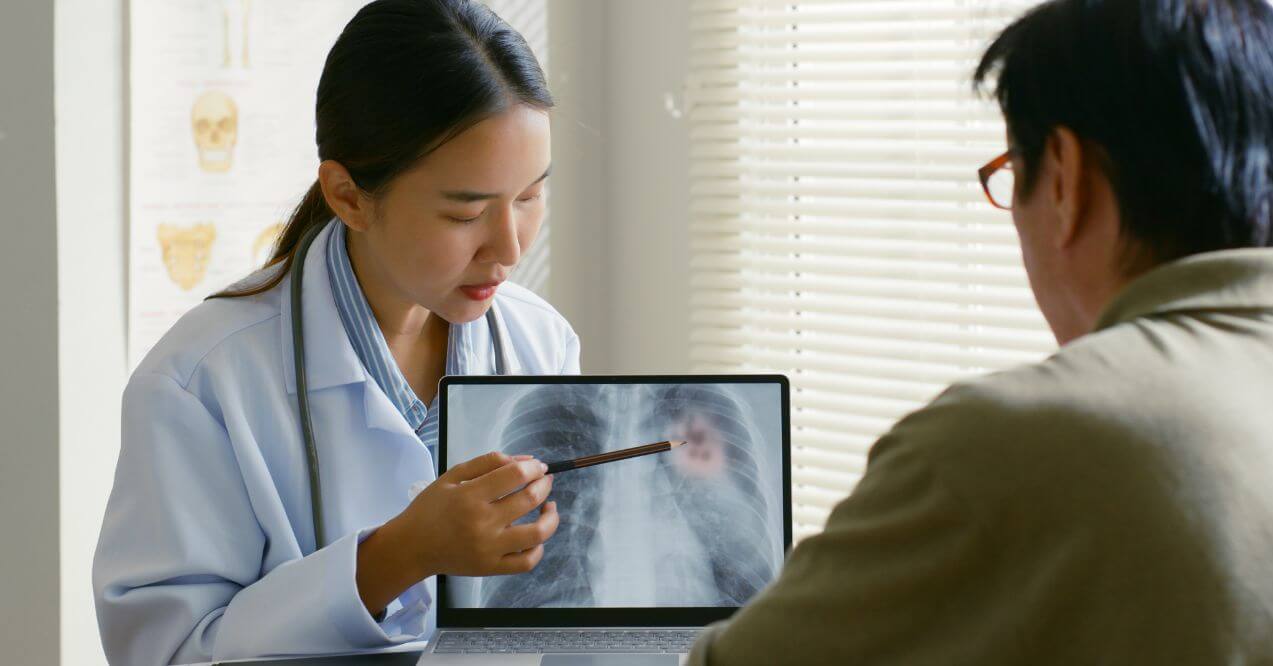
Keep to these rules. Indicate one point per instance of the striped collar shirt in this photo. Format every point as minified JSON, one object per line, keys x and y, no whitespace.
{"x":369,"y":343}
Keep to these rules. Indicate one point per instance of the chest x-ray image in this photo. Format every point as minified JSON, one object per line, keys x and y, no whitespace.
{"x":701,"y":525}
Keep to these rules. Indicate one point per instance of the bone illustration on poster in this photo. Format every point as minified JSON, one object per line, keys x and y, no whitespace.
{"x":214,"y":124}
{"x":186,"y":252}
{"x":699,"y":525}
{"x":235,"y":41}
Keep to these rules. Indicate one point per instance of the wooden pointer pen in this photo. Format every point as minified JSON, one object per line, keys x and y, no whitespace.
{"x":621,"y":454}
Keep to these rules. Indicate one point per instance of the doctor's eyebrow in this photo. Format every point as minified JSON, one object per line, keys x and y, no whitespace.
{"x":468,"y":196}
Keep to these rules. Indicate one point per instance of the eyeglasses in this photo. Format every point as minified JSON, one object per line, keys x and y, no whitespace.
{"x":997,"y":181}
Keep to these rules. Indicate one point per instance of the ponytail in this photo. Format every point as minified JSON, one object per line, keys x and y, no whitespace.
{"x":311,"y":212}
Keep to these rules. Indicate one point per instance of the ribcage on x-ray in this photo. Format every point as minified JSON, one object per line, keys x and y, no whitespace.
{"x":713,"y":483}
{"x":690,"y":526}
{"x":557,"y":422}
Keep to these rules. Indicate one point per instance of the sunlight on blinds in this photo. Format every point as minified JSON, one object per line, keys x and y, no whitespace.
{"x":839,"y":234}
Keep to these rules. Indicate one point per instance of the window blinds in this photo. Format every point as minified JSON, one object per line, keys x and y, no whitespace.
{"x":839,"y":234}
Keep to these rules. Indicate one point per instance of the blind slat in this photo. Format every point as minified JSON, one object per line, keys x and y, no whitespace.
{"x":957,"y":314}
{"x":918,"y":291}
{"x":944,"y":268}
{"x":838,"y":233}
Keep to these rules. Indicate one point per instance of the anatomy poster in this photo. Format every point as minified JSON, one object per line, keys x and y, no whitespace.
{"x":700,"y":525}
{"x":222,"y":139}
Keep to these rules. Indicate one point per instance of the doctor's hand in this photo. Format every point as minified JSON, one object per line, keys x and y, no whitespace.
{"x":461,"y":524}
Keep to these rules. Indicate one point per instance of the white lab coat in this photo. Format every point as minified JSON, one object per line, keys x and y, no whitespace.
{"x":207,"y":549}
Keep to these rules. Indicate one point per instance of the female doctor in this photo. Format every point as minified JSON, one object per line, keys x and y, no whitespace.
{"x":433,"y":135}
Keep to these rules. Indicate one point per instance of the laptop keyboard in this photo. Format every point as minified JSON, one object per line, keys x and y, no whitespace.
{"x":598,"y":640}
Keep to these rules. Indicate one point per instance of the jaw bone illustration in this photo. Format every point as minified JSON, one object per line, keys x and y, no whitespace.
{"x":214,"y":122}
{"x":186,"y":252}
{"x":692,"y":526}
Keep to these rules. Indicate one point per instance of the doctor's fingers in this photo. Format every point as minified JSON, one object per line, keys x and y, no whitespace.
{"x":475,"y":468}
{"x":517,"y":538}
{"x":523,"y":501}
{"x":498,"y":483}
{"x":518,"y":563}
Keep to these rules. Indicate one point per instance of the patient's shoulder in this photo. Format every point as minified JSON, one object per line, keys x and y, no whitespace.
{"x":1039,"y":428}
{"x":1103,"y":381}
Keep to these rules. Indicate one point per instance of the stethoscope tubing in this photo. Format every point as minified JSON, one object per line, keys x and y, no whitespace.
{"x":302,"y":387}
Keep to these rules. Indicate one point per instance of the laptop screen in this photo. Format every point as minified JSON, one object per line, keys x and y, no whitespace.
{"x":704,"y":525}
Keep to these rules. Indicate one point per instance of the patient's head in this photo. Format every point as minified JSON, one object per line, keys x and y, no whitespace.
{"x":1140,"y":131}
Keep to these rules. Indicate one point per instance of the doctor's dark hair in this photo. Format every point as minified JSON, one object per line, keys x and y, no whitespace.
{"x":404,"y":77}
{"x":1176,"y":97}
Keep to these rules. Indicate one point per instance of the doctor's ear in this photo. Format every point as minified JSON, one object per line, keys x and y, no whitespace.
{"x":348,"y":201}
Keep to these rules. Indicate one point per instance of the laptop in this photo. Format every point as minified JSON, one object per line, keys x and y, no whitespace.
{"x":649,"y":550}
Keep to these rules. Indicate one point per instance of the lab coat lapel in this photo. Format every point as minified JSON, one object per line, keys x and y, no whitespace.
{"x":390,"y":428}
{"x":369,"y":454}
{"x":382,"y":414}
{"x":330,"y":359}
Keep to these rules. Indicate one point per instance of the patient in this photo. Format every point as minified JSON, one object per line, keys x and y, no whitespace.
{"x":1114,"y":503}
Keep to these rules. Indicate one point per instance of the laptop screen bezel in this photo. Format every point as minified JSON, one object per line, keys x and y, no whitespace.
{"x":688,"y":616}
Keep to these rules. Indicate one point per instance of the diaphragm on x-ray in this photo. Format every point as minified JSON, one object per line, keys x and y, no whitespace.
{"x":700,"y":525}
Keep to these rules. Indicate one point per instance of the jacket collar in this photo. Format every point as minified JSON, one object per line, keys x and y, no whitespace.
{"x":1224,"y":280}
{"x":330,"y":359}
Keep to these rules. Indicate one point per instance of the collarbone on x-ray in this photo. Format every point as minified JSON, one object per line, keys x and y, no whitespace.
{"x":689,"y":527}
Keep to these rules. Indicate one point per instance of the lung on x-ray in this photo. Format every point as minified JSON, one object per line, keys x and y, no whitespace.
{"x":700,"y":525}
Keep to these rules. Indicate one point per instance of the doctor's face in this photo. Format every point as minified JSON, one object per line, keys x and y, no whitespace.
{"x":447,"y":232}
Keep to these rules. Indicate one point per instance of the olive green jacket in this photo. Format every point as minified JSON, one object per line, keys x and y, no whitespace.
{"x":1112,"y":504}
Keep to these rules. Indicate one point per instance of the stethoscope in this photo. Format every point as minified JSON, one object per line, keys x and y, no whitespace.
{"x":502,"y":363}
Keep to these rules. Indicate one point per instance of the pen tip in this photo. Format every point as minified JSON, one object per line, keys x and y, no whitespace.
{"x":676,"y":442}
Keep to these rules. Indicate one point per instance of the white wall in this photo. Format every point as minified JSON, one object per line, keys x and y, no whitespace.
{"x":90,"y":57}
{"x":647,"y":185}
{"x":28,"y":339}
{"x":578,"y":282}
{"x":620,"y":196}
